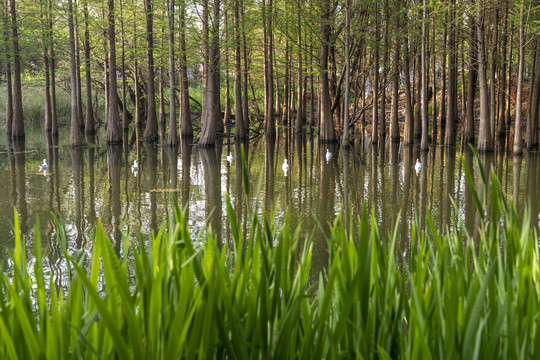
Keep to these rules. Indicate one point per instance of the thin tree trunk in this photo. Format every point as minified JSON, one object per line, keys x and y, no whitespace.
{"x":408,"y":131}
{"x":9,"y":85}
{"x":75,"y":134}
{"x":240,"y":131}
{"x":532,"y":119}
{"x":186,"y":126}
{"x":114,"y":128}
{"x":485,"y":143}
{"x":442,"y":110}
{"x":212,"y":111}
{"x":326,"y":133}
{"x":345,"y":139}
{"x":90,"y":127}
{"x":124,"y":82}
{"x":424,"y":142}
{"x":375,"y":84}
{"x":451,"y":114}
{"x":17,"y":129}
{"x":48,"y":112}
{"x":245,"y":104}
{"x":434,"y":69}
{"x":78,"y":69}
{"x":521,"y":61}
{"x":492,"y":66}
{"x":394,"y":118}
{"x":471,"y":85}
{"x":300,"y":109}
{"x":269,"y":120}
{"x":502,"y":120}
{"x":54,"y":120}
{"x":172,"y":139}
{"x":151,"y":131}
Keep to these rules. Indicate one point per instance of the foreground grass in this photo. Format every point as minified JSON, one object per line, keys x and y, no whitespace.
{"x":457,"y":297}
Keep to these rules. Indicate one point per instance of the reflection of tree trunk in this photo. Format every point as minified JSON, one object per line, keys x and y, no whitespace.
{"x":186,"y":172}
{"x":470,"y":209}
{"x":406,"y":221}
{"x":423,"y":190}
{"x":76,"y":168}
{"x":326,"y":208}
{"x":212,"y":189}
{"x":151,"y":151}
{"x":173,"y":172}
{"x":92,"y":188}
{"x":269,"y":175}
{"x":517,"y":173}
{"x":20,"y":162}
{"x":449,"y":180}
{"x":114,"y":166}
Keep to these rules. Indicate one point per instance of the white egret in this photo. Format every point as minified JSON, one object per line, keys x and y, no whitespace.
{"x":44,"y":167}
{"x":417,"y":166}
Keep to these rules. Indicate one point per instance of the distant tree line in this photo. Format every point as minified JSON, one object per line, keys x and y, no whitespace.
{"x":407,"y":70}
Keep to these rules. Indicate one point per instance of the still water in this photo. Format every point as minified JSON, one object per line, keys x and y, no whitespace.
{"x":98,"y":182}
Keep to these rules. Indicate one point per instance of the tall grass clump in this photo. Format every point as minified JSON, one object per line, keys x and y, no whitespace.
{"x":458,"y":296}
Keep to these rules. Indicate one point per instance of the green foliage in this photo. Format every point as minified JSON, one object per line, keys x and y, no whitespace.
{"x":457,"y":295}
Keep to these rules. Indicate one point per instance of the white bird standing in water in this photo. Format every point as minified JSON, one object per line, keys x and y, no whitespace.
{"x":285,"y":167}
{"x":135,"y":167}
{"x":328,"y":156}
{"x":44,"y":167}
{"x":229,"y":158}
{"x":417,"y":166}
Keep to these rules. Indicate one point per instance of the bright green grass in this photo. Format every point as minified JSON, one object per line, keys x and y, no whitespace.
{"x":456,"y":297}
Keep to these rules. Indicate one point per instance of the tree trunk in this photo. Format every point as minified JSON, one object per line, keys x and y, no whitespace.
{"x":442,"y":110}
{"x":269,"y":121}
{"x":501,"y":128}
{"x":9,"y":85}
{"x":17,"y":128}
{"x":471,"y":85}
{"x":375,"y":84}
{"x":186,"y":126}
{"x":245,"y":72}
{"x":172,"y":139}
{"x":240,"y":128}
{"x":451,"y":114}
{"x":114,"y":128}
{"x":90,"y":127}
{"x":78,"y":69}
{"x":52,"y":62}
{"x":327,"y":124}
{"x":408,"y":131}
{"x":424,"y":142}
{"x":492,"y":65}
{"x":394,"y":118}
{"x":124,"y":81}
{"x":151,"y":131}
{"x":300,"y":108}
{"x":521,"y":61}
{"x":212,"y":112}
{"x":485,"y":143}
{"x":48,"y":112}
{"x":345,"y":139}
{"x":532,"y":119}
{"x":75,"y":134}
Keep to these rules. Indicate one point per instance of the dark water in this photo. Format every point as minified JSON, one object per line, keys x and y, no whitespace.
{"x":84,"y":185}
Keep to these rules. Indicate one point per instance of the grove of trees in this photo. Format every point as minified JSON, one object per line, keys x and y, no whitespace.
{"x":438,"y":71}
